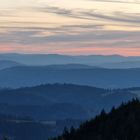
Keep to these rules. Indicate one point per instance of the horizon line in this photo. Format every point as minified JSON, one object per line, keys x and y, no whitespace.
{"x":18,"y":53}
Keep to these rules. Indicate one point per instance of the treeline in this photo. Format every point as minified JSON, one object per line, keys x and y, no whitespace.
{"x":122,"y":123}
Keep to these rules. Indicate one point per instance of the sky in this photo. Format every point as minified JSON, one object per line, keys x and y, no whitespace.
{"x":72,"y":27}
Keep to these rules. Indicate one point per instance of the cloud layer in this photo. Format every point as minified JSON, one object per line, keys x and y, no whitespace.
{"x":65,"y":28}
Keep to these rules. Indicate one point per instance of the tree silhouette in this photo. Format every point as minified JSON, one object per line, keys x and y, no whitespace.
{"x":120,"y":124}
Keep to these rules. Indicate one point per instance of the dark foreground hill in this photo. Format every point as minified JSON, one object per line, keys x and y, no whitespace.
{"x":120,"y":124}
{"x":60,"y":101}
{"x":16,"y":128}
{"x":52,"y":107}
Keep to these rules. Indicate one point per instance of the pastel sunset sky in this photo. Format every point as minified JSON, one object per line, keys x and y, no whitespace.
{"x":70,"y":26}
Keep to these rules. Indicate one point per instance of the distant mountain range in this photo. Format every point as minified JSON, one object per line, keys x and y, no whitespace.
{"x":122,"y":65}
{"x":111,"y":61}
{"x":7,"y":64}
{"x":22,"y":76}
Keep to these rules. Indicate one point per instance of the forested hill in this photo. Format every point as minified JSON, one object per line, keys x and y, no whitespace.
{"x":120,"y":124}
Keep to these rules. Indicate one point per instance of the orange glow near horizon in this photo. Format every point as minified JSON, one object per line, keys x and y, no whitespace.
{"x":126,"y":51}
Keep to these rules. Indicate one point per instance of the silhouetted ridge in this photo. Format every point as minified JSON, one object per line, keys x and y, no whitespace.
{"x":61,"y":101}
{"x":106,"y":61}
{"x":120,"y":124}
{"x":8,"y":64}
{"x":104,"y":78}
